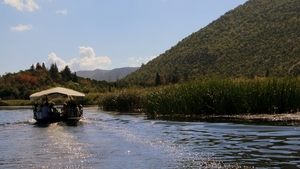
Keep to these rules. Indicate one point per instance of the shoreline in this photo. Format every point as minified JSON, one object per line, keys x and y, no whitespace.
{"x":284,"y":119}
{"x":279,"y":119}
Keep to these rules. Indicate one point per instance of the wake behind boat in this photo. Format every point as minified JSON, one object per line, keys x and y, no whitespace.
{"x":46,"y":111}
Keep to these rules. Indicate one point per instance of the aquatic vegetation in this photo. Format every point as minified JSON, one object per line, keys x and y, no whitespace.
{"x":210,"y":96}
{"x":92,"y":98}
{"x":225,"y":96}
{"x":122,"y":100}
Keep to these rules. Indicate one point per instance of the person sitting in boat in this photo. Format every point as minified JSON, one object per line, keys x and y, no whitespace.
{"x":35,"y":107}
{"x":45,"y":110}
{"x":52,"y":107}
{"x":80,"y":110}
{"x":74,"y":109}
{"x":70,"y":109}
{"x":67,"y":110}
{"x":64,"y":109}
{"x":39,"y":108}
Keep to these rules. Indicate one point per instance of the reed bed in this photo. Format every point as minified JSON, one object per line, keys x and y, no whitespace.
{"x":123,"y":100}
{"x":92,"y":98}
{"x":211,"y":96}
{"x":225,"y":97}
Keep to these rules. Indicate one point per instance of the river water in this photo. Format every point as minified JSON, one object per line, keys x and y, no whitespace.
{"x":112,"y":140}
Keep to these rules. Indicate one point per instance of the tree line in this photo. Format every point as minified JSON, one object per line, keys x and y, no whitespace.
{"x":22,"y":84}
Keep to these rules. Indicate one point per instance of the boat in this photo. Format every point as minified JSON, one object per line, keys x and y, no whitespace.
{"x":45,"y":111}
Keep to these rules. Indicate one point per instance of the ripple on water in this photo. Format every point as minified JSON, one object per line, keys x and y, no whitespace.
{"x":112,"y":140}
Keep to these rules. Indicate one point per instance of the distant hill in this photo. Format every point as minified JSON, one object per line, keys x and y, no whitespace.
{"x":107,"y":75}
{"x":91,"y":73}
{"x":259,"y":38}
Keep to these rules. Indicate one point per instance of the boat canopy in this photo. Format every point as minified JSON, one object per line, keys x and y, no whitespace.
{"x":56,"y":92}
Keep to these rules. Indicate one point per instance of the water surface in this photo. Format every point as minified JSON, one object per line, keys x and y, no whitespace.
{"x":112,"y":140}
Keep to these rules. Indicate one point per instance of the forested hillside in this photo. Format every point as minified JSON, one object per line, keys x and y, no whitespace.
{"x":259,"y":38}
{"x":22,"y":84}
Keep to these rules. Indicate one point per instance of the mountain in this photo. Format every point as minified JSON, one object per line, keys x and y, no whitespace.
{"x":107,"y":75}
{"x":259,"y":38}
{"x":91,"y":73}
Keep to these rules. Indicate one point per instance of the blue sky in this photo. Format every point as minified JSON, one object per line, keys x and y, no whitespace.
{"x":98,"y":34}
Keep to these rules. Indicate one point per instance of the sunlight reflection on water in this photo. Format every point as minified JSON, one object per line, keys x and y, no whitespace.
{"x":111,"y":140}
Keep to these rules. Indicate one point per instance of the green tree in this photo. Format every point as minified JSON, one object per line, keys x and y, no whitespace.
{"x":66,"y":74}
{"x":38,"y":66}
{"x":32,"y":68}
{"x":43,"y":66}
{"x":75,"y":78}
{"x":9,"y":92}
{"x":157,"y":79}
{"x":54,"y":72}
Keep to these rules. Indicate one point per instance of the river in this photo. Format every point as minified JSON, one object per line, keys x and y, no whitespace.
{"x":113,"y":140}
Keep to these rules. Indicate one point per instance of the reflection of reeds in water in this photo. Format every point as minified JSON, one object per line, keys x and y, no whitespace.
{"x":210,"y":97}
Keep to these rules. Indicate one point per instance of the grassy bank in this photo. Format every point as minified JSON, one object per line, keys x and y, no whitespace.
{"x":90,"y":99}
{"x":210,"y":97}
{"x":15,"y":102}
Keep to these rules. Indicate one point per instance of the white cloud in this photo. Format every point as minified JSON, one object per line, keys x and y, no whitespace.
{"x":52,"y":58}
{"x":136,"y":62}
{"x":30,"y":5}
{"x":87,"y":60}
{"x":86,"y":52}
{"x":64,"y":12}
{"x":21,"y":28}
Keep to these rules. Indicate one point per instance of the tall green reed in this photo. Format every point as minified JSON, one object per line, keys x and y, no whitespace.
{"x":211,"y":96}
{"x":123,"y":100}
{"x":224,"y":96}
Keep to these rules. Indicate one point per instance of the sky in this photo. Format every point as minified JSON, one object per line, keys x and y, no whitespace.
{"x":98,"y":34}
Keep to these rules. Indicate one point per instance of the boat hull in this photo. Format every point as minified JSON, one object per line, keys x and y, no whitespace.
{"x":56,"y":118}
{"x":62,"y":119}
{"x":71,"y":119}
